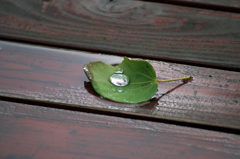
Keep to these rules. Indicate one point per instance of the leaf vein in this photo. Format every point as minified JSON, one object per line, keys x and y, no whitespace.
{"x":145,"y":75}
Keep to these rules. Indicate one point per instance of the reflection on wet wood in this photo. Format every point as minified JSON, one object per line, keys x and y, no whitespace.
{"x":127,"y":27}
{"x":56,"y":76}
{"x":40,"y":132}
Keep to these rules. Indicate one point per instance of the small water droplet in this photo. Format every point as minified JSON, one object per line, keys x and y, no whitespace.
{"x":119,"y":79}
{"x":120,"y":89}
{"x":85,"y":68}
{"x":88,"y":74}
{"x":119,"y":70}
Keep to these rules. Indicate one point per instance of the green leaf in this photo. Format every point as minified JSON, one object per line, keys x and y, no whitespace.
{"x":142,"y":85}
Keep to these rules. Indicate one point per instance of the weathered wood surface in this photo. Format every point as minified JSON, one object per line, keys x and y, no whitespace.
{"x":40,"y":132}
{"x":56,"y":76}
{"x":162,"y":31}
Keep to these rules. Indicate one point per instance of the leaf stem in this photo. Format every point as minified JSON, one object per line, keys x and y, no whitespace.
{"x":176,"y":79}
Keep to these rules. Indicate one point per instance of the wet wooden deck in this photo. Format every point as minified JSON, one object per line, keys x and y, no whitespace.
{"x":48,"y":108}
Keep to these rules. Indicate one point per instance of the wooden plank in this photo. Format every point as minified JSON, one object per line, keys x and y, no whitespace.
{"x":56,"y":76}
{"x":135,"y":28}
{"x":39,"y":132}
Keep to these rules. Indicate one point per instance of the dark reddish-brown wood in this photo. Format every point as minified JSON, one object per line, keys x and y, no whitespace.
{"x":140,"y":28}
{"x":39,"y":132}
{"x":56,"y":76}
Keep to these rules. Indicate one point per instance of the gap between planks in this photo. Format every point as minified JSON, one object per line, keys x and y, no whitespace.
{"x":118,"y":114}
{"x":200,"y":5}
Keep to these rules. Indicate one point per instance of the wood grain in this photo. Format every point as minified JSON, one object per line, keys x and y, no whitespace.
{"x":40,"y":132}
{"x":56,"y":76}
{"x":135,"y":28}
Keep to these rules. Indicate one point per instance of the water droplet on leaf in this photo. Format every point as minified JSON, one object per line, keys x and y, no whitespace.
{"x":85,"y":69}
{"x":120,"y":89}
{"x":119,"y":70}
{"x":127,"y":86}
{"x":119,"y":79}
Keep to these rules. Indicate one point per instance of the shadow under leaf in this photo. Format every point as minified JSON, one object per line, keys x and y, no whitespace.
{"x":154,"y":101}
{"x":151,"y":104}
